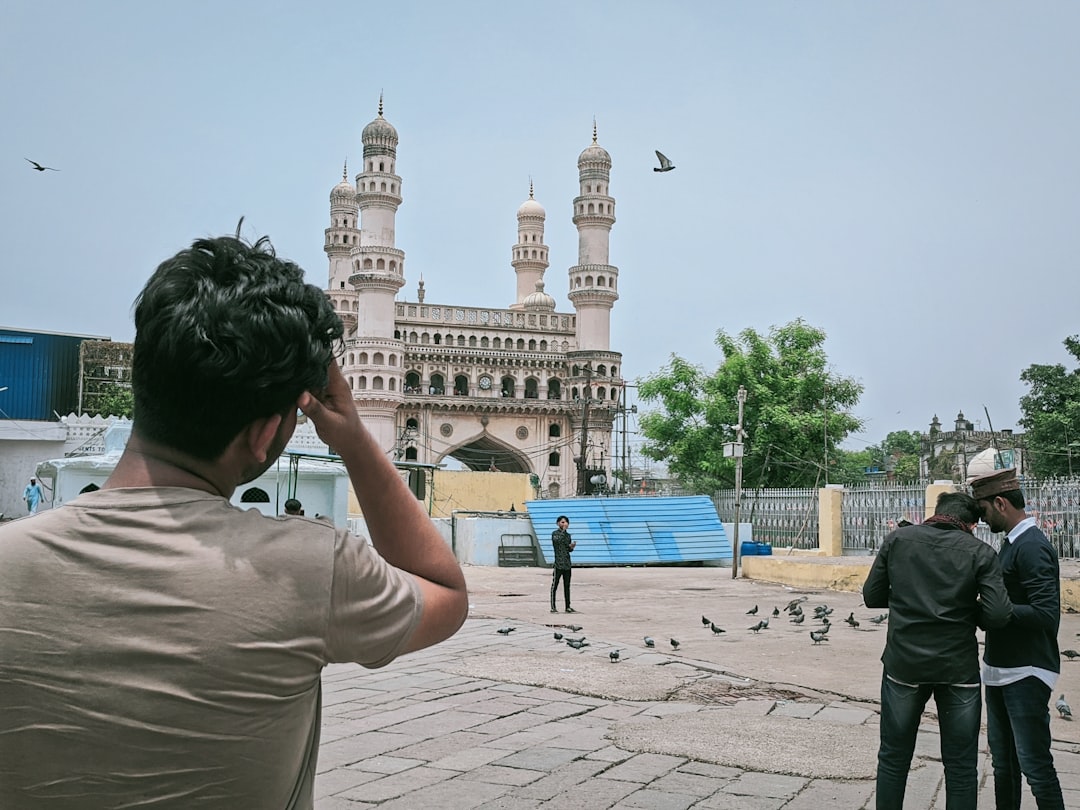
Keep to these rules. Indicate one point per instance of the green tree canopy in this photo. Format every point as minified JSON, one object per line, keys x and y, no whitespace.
{"x":1051,"y":415}
{"x":796,"y":411}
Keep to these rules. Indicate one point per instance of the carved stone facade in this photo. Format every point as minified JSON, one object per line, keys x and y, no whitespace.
{"x":517,"y":389}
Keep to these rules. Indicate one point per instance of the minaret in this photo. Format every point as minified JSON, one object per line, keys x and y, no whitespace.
{"x":530,"y":254}
{"x":378,"y":272}
{"x":593,"y":282}
{"x":344,"y":231}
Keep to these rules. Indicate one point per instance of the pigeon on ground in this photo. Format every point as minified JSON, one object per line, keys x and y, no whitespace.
{"x":614,"y":655}
{"x":577,"y":644}
{"x":705,"y":622}
{"x":765,"y":623}
{"x":716,"y":630}
{"x":1063,"y":708}
{"x":854,"y":624}
{"x":674,"y":644}
{"x":665,"y":164}
{"x":817,"y":636}
{"x":775,"y":611}
{"x":799,"y":619}
{"x":505,"y":631}
{"x":826,"y":627}
{"x":752,"y":611}
{"x":850,"y":618}
{"x":575,"y":640}
{"x":558,"y":636}
{"x":796,"y":611}
{"x":649,"y":642}
{"x":758,"y":626}
{"x":1070,"y":654}
{"x":880,"y":619}
{"x":573,"y":628}
{"x":39,"y":168}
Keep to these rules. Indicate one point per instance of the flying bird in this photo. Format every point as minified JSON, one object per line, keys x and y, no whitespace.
{"x":614,"y":656}
{"x":794,"y":603}
{"x":649,"y":642}
{"x":674,"y":644}
{"x":752,"y":611}
{"x":38,"y":167}
{"x":505,"y":631}
{"x":716,"y":630}
{"x":1063,"y":708}
{"x":665,"y":164}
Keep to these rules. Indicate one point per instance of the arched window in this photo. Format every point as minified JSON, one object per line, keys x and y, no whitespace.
{"x":600,"y":281}
{"x":496,"y":343}
{"x":412,"y":424}
{"x":554,"y":430}
{"x":361,"y":383}
{"x":553,"y":459}
{"x":532,"y":388}
{"x":254,"y":495}
{"x":380,"y":264}
{"x":410,"y":454}
{"x":574,"y":393}
{"x":352,"y":383}
{"x":352,"y":358}
{"x":461,"y":385}
{"x":554,"y":389}
{"x":472,"y":341}
{"x":361,"y":359}
{"x":437,"y":385}
{"x":367,"y":264}
{"x":378,"y":359}
{"x":438,"y":339}
{"x":588,"y":280}
{"x":393,"y":384}
{"x":484,"y":342}
{"x":592,"y":209}
{"x":425,"y":338}
{"x":614,"y":394}
{"x":382,"y":186}
{"x":543,"y":345}
{"x":521,"y":344}
{"x":601,"y":393}
{"x":460,"y":340}
{"x":397,"y":334}
{"x":412,"y":382}
{"x":575,"y":371}
{"x":532,"y":345}
{"x":601,"y":370}
{"x":377,"y":383}
{"x":614,"y":371}
{"x":382,"y":166}
{"x":449,"y":340}
{"x":393,"y":266}
{"x":508,"y":387}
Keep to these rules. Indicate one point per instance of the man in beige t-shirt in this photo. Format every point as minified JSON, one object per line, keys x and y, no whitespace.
{"x":160,"y":647}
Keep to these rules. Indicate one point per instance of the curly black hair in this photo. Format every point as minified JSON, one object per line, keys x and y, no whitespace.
{"x":225,"y":333}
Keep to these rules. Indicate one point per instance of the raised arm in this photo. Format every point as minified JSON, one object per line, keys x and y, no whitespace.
{"x":400,"y":529}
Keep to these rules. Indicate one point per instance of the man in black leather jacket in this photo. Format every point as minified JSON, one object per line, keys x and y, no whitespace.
{"x":939,"y":583}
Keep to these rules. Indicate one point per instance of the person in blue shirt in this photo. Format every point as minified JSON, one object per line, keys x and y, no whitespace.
{"x":33,"y":496}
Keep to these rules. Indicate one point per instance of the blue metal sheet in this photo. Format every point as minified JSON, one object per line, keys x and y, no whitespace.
{"x":634,"y":531}
{"x":40,"y":371}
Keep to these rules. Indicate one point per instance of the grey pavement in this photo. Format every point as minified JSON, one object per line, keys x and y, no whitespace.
{"x":739,"y":720}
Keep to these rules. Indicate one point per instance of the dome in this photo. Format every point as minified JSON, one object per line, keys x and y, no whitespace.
{"x":594,"y":153}
{"x":539,"y":299}
{"x":531,"y":208}
{"x":343,"y":189}
{"x":379,"y":129}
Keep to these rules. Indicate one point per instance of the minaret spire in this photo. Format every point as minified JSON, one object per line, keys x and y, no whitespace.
{"x":380,"y":104}
{"x":345,"y":170}
{"x":531,"y":189}
{"x":594,"y":130}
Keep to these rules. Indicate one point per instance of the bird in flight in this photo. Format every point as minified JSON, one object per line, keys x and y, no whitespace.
{"x":38,"y":167}
{"x":665,"y":164}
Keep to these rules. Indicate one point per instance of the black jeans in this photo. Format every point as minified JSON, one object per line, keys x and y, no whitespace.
{"x":564,"y":575}
{"x":1018,"y":730}
{"x":959,"y":710}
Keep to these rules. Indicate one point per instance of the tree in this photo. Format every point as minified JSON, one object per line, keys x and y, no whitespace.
{"x":796,"y":411}
{"x":117,"y":400}
{"x":901,"y":450}
{"x":1051,"y":415}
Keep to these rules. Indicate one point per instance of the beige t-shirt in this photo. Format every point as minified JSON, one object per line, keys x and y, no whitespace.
{"x":160,"y":648}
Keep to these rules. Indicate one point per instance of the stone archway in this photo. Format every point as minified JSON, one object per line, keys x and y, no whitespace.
{"x":486,"y":453}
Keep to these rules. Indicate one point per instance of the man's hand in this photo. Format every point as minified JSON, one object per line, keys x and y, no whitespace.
{"x":333,"y":411}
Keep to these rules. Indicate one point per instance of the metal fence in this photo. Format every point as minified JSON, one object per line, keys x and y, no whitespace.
{"x":1055,"y":505}
{"x":781,"y":517}
{"x":872,"y":511}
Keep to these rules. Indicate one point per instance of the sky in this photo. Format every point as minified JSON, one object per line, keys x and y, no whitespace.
{"x":905,"y":176}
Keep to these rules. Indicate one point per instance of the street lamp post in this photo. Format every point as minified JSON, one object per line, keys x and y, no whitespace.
{"x":736,"y":450}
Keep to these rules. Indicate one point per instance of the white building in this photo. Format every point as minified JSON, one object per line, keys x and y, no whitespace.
{"x":518,"y":388}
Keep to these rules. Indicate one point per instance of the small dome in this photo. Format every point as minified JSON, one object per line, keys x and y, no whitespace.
{"x":343,"y":189}
{"x":594,"y":153}
{"x":379,"y":129}
{"x":531,"y":208}
{"x":539,"y":299}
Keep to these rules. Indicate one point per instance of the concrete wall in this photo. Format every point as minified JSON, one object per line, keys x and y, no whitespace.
{"x":479,"y":491}
{"x":23,"y":444}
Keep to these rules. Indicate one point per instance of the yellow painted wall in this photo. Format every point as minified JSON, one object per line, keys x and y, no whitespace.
{"x":464,"y":489}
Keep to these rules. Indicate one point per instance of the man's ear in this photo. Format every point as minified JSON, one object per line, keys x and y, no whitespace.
{"x":259,"y":436}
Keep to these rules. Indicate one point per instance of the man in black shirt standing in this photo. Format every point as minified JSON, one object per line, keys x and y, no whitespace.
{"x":939,"y":582}
{"x":1021,"y":662}
{"x":563,"y":544}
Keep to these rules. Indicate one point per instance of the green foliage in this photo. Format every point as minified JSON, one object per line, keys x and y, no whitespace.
{"x":117,"y":400}
{"x":1051,"y":415}
{"x":795,"y":408}
{"x":943,"y":467}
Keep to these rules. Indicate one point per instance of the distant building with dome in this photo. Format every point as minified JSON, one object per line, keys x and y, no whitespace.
{"x":519,"y":388}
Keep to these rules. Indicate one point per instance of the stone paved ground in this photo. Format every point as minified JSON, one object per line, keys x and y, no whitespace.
{"x":740,"y":720}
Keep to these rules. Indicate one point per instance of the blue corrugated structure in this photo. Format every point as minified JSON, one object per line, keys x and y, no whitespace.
{"x":41,"y":373}
{"x":634,"y":531}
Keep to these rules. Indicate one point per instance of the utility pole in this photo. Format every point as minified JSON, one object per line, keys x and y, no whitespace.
{"x":736,"y":450}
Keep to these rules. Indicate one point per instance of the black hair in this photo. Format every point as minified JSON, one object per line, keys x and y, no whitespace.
{"x":1014,"y":497}
{"x":293,"y":505}
{"x":959,"y":505}
{"x":562,"y":517}
{"x":225,"y":333}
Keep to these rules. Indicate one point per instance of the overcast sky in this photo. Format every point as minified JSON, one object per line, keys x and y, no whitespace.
{"x":905,"y":176}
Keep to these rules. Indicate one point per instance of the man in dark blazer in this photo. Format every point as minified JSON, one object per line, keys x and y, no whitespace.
{"x":1021,"y":662}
